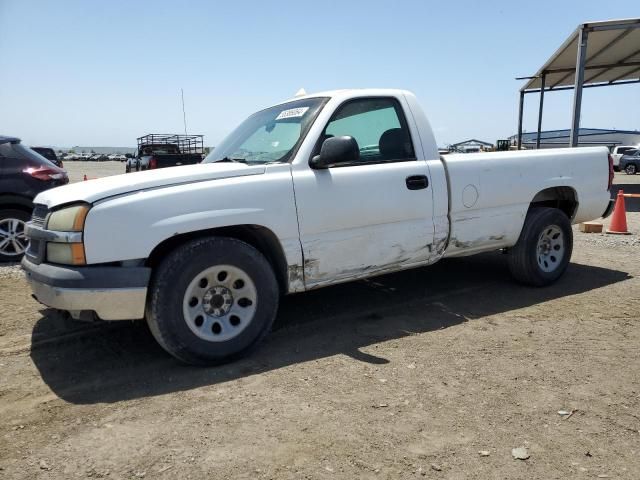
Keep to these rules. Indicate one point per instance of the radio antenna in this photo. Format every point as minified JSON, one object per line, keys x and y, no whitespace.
{"x":184,"y":115}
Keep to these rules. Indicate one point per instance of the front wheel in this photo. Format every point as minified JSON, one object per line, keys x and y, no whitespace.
{"x":212,"y":300}
{"x":544,"y":248}
{"x":631,"y":169}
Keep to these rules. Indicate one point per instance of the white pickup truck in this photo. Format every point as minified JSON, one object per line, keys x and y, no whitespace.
{"x":318,"y":190}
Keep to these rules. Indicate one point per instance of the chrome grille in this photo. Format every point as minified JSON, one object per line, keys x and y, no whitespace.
{"x":39,"y":215}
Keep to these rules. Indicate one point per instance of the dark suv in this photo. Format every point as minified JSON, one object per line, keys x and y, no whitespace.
{"x":23,"y":174}
{"x":49,"y":154}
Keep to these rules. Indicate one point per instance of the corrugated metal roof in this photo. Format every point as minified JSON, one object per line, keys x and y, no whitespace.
{"x":613,"y":55}
{"x":472,"y":141}
{"x":565,"y":133}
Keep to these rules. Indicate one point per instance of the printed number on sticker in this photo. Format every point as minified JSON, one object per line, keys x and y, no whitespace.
{"x":292,"y":113}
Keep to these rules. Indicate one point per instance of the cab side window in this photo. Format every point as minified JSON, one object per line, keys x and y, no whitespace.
{"x":378,"y":126}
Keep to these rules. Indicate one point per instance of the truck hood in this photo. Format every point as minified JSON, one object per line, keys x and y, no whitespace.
{"x":94,"y":190}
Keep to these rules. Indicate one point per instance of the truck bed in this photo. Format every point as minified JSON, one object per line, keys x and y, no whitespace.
{"x":490,"y":193}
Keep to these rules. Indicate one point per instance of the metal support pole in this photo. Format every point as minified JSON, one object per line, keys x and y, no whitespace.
{"x":540,"y":107}
{"x":577,"y":93}
{"x":520,"y":120}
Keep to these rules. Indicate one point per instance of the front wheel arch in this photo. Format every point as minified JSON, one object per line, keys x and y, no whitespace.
{"x":170,"y":290}
{"x":261,"y":238}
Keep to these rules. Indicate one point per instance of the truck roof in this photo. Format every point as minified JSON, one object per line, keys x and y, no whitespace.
{"x":350,"y":93}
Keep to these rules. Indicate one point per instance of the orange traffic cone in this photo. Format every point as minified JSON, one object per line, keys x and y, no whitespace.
{"x":619,"y":218}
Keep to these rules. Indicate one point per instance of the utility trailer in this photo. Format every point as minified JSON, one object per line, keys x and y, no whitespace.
{"x":159,"y":150}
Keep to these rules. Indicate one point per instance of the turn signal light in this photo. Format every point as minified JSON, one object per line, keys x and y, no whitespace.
{"x":66,"y":253}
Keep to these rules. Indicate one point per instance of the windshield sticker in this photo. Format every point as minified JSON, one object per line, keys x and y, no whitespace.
{"x":292,"y":113}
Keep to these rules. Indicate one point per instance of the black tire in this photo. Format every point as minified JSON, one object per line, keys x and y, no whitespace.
{"x":169,"y":284}
{"x":631,"y":169}
{"x":524,"y":257}
{"x":9,"y":254}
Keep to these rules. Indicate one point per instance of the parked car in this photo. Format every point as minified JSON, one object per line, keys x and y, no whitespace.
{"x":630,"y":162}
{"x":23,"y":174}
{"x":618,"y":151}
{"x":132,"y":164}
{"x":312,"y":192}
{"x":49,"y":154}
{"x":160,"y":151}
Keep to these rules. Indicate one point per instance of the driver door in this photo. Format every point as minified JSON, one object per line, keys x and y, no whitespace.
{"x":370,"y":216}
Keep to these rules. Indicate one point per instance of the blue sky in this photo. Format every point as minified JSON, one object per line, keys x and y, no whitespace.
{"x":104,"y":73}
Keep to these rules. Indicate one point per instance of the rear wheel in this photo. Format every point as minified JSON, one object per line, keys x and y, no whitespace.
{"x":212,"y":301}
{"x":544,"y":248}
{"x":13,"y":241}
{"x":631,"y":169}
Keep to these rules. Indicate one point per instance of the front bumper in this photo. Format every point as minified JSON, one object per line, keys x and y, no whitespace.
{"x":111,"y":293}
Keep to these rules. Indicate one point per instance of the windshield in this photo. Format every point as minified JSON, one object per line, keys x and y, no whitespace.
{"x":268,"y":136}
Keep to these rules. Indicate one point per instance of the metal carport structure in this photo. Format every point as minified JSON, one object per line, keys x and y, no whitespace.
{"x":596,"y":54}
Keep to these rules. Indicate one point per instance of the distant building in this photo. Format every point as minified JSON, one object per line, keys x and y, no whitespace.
{"x":470,"y":146}
{"x":586,"y":137}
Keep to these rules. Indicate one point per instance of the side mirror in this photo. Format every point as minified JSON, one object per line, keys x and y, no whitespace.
{"x":336,"y":151}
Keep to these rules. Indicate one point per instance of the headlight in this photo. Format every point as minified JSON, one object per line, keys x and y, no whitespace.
{"x":70,"y":219}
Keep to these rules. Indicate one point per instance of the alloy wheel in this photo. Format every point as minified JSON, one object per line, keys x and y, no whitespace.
{"x":13,"y":241}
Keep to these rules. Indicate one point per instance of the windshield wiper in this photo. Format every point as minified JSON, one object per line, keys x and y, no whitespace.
{"x":234,"y":160}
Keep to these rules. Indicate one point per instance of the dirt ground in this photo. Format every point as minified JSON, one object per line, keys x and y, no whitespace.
{"x":77,"y":170}
{"x":408,"y":375}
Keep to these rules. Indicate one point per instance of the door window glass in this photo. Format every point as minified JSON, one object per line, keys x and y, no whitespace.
{"x":377,"y":124}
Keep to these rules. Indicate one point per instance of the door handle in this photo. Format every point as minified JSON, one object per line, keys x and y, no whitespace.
{"x":417,"y":182}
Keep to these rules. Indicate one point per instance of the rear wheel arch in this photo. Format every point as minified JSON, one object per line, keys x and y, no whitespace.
{"x":261,"y":238}
{"x":563,"y":198}
{"x":16,"y":202}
